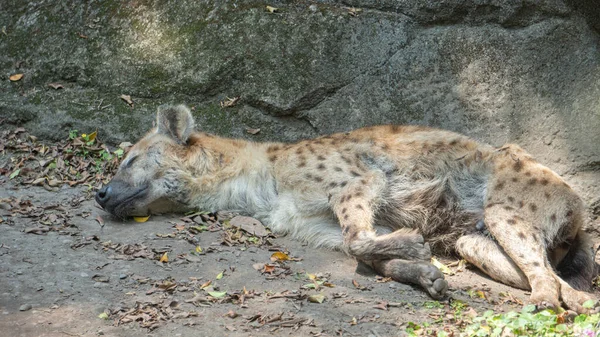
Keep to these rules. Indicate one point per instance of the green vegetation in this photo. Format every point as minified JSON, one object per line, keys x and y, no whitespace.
{"x":527,"y":322}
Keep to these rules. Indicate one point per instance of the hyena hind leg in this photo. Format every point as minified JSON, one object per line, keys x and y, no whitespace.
{"x":414,"y":272}
{"x":488,"y":256}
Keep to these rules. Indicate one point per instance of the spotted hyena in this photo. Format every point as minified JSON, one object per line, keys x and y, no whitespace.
{"x":376,"y":193}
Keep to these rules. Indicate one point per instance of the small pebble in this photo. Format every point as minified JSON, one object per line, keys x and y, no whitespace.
{"x":313,"y":8}
{"x":25,"y":307}
{"x":84,"y":275}
{"x":122,"y":276}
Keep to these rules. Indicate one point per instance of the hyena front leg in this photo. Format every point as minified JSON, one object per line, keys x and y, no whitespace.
{"x":415,"y":272}
{"x":354,"y":208}
{"x":525,"y":248}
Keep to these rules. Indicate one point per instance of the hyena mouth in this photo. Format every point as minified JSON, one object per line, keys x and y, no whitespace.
{"x":122,"y":202}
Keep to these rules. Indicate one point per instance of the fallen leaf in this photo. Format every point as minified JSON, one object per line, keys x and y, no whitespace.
{"x":317,"y":298}
{"x":92,"y":136}
{"x":125,"y":145}
{"x":252,"y":131}
{"x":279,"y":256}
{"x":249,"y":225}
{"x":381,"y":306}
{"x":127,"y":99}
{"x":231,"y":314}
{"x":229,"y":102}
{"x":442,"y":267}
{"x":268,"y":269}
{"x":272,"y":9}
{"x":100,"y":221}
{"x":217,"y":294}
{"x":38,"y":181}
{"x":103,"y":316}
{"x":14,"y":174}
{"x":101,"y":278}
{"x":37,"y":230}
{"x":198,"y":249}
{"x":164,"y":258}
{"x":16,"y":77}
{"x":353,"y":11}
{"x":141,"y":218}
{"x":55,"y":85}
{"x":205,"y":284}
{"x":220,"y":276}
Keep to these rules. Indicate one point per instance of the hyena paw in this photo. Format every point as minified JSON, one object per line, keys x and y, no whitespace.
{"x":432,"y":279}
{"x":575,"y":299}
{"x":542,"y":302}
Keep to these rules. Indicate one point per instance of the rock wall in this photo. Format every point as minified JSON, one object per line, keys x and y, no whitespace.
{"x":499,"y":71}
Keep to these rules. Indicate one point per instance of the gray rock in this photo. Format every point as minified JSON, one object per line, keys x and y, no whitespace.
{"x":500,"y":71}
{"x":25,"y":307}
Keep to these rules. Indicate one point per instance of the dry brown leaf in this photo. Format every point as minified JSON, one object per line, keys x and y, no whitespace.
{"x":231,"y":314}
{"x":272,"y":9}
{"x":16,"y":77}
{"x":249,"y":225}
{"x":164,"y":258}
{"x":37,"y":230}
{"x":229,"y":102}
{"x":280,"y":256}
{"x":127,"y":99}
{"x":56,"y":86}
{"x":252,"y":131}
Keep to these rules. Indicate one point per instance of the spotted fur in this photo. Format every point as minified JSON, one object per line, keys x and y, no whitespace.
{"x":375,"y":193}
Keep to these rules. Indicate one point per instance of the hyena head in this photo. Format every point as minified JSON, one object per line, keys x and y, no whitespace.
{"x":149,"y":179}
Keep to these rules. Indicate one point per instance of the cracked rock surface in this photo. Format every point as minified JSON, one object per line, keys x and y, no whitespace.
{"x":499,"y":71}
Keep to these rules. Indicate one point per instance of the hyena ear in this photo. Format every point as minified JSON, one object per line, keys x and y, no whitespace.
{"x":176,"y":122}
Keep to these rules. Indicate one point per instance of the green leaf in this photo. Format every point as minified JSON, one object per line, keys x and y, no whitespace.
{"x":15,"y":173}
{"x":103,"y":316}
{"x":119,"y":153}
{"x":220,"y":276}
{"x":217,"y":294}
{"x":588,"y":304}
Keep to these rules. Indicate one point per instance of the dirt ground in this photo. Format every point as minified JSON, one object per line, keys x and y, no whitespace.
{"x":67,"y":268}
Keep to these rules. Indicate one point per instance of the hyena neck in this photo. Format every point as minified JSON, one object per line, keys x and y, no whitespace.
{"x":238,"y":176}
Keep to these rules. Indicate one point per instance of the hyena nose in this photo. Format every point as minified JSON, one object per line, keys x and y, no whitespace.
{"x":103,"y":195}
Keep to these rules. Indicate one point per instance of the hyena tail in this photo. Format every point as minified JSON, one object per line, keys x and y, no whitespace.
{"x":578,"y":268}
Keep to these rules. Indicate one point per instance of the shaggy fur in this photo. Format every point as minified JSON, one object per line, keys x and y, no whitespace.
{"x":375,"y":193}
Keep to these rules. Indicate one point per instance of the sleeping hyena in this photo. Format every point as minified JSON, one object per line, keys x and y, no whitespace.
{"x":375,"y":193}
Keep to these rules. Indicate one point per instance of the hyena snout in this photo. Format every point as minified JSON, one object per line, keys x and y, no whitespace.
{"x":103,"y":195}
{"x":122,"y":199}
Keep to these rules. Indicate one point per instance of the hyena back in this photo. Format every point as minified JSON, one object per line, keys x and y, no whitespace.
{"x":377,"y":193}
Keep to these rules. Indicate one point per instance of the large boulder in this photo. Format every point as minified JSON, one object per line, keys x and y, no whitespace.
{"x":499,"y":71}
